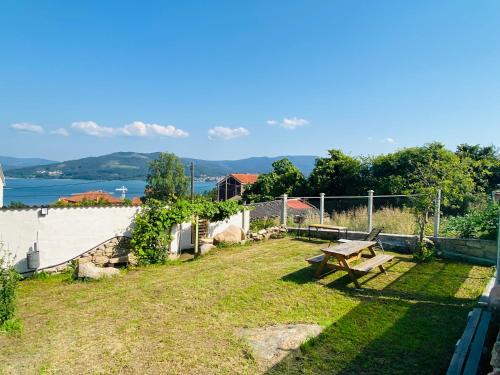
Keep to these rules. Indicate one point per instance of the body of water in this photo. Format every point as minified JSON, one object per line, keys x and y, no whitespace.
{"x":41,"y":191}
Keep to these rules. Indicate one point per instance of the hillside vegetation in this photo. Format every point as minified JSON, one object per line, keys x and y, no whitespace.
{"x":133,"y":165}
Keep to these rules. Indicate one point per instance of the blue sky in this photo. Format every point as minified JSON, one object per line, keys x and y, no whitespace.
{"x":232,"y":79}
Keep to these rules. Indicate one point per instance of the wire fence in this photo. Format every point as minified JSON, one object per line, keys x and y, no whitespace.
{"x":357,"y":213}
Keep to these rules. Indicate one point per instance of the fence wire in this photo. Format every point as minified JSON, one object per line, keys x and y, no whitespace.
{"x":391,"y":212}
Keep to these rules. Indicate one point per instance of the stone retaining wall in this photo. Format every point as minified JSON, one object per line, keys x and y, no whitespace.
{"x":468,"y":247}
{"x":113,"y":252}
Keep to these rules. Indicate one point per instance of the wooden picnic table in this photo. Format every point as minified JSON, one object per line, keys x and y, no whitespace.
{"x":346,"y":253}
{"x":330,"y":227}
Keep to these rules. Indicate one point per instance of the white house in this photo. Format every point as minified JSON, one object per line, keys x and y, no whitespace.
{"x":2,"y":184}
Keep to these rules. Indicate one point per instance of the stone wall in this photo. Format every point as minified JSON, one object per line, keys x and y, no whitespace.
{"x":113,"y":252}
{"x":472,"y":248}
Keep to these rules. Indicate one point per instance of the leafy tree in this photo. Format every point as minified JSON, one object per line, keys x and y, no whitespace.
{"x":285,"y":178}
{"x":166,"y":180}
{"x":337,"y":174}
{"x":485,"y":165}
{"x":428,"y":169}
{"x":409,"y":169}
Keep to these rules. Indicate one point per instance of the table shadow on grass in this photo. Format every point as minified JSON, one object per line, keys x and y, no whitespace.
{"x":411,"y":335}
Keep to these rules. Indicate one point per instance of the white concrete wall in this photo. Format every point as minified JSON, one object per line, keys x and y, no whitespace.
{"x":63,"y":234}
{"x":67,"y":232}
{"x":2,"y":184}
{"x":1,"y":192}
{"x":182,"y":233}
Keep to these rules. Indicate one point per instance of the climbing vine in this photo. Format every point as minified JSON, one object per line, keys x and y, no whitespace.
{"x":151,"y":236}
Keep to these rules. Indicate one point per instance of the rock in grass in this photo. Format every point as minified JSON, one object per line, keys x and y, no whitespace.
{"x":205,"y":248}
{"x":91,"y":271}
{"x":272,"y":344}
{"x":232,"y":234}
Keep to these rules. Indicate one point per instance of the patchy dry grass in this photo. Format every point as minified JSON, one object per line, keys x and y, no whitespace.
{"x":183,"y":318}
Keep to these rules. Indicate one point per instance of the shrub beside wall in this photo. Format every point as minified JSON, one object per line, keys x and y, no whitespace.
{"x":8,"y":288}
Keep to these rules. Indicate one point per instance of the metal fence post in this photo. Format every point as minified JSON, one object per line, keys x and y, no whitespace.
{"x":284,"y":209}
{"x":437,"y":213}
{"x":322,"y":208}
{"x":370,"y":210}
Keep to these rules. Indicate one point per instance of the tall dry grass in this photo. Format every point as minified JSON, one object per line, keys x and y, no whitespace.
{"x":392,"y":219}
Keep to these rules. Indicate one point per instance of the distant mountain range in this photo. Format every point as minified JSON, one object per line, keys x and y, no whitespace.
{"x":134,"y":165}
{"x":8,"y":162}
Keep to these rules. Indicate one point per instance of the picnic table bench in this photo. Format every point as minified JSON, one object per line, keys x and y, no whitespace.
{"x":329,"y":227}
{"x":345,"y":254}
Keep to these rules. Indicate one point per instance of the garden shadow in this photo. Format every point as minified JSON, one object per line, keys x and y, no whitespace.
{"x":408,"y":327}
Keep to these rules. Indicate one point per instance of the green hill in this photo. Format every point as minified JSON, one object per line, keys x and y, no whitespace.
{"x":9,"y":162}
{"x":133,"y":165}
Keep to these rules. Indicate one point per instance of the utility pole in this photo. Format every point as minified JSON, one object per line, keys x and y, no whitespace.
{"x":192,"y":180}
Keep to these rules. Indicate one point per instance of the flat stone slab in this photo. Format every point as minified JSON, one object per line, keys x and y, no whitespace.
{"x":272,"y":344}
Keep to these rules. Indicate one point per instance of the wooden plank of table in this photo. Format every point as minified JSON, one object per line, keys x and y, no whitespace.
{"x":321,"y":226}
{"x":347,"y":249}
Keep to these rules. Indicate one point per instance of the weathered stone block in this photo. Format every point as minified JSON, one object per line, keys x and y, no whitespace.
{"x":132,"y":259}
{"x":101,"y":260}
{"x":89,"y":270}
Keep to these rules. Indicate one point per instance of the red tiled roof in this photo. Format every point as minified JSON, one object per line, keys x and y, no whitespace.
{"x":298,"y":204}
{"x":91,"y":196}
{"x":136,"y":201}
{"x":245,"y":178}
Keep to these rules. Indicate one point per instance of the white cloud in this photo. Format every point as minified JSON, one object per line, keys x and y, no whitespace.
{"x":140,"y":129}
{"x":27,"y":128}
{"x":227,"y":133}
{"x":92,"y":128}
{"x":389,"y":140}
{"x":289,"y":122}
{"x":60,"y":131}
{"x":134,"y":129}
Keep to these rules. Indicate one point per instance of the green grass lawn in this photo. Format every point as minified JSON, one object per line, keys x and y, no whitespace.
{"x":183,"y":318}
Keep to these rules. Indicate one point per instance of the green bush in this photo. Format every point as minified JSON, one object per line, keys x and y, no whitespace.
{"x":8,"y":287}
{"x":425,"y":252}
{"x":151,"y":236}
{"x":267,"y":222}
{"x":480,"y":222}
